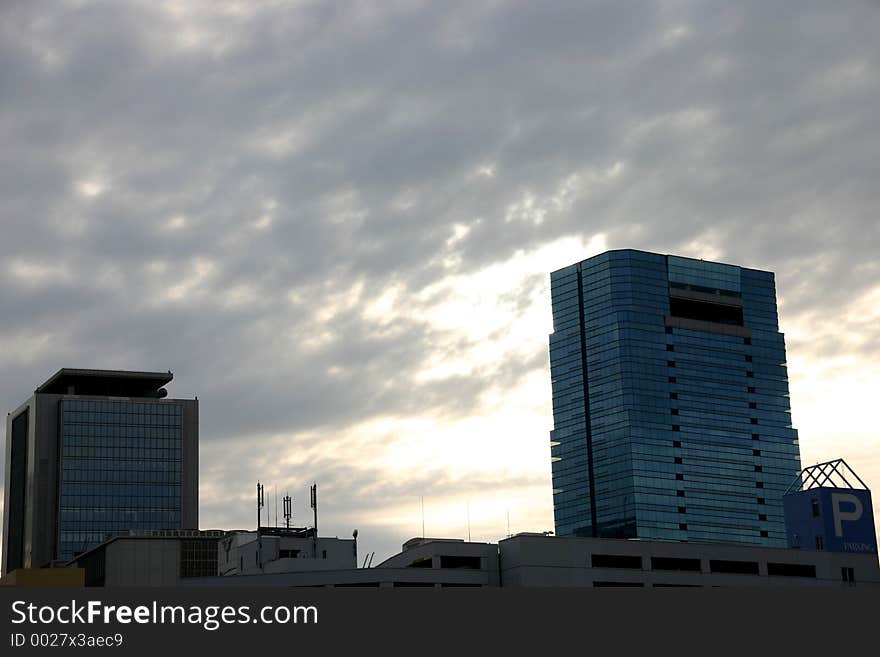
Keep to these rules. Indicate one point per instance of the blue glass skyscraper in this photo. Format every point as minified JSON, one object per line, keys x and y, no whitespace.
{"x":670,"y":401}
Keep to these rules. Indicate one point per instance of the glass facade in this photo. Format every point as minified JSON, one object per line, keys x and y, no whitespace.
{"x":120,"y":470}
{"x":670,"y":401}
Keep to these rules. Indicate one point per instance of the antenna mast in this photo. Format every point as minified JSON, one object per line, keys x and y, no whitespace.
{"x":259,"y":505}
{"x":314,"y":501}
{"x":288,"y":513}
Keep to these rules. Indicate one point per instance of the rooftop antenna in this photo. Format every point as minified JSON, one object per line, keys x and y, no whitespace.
{"x":314,"y":502}
{"x":276,"y":505}
{"x":508,"y":523}
{"x":288,"y":513}
{"x":469,"y":520}
{"x":260,"y":503}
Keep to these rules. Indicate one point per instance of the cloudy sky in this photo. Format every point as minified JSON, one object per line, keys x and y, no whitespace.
{"x":334,"y":221}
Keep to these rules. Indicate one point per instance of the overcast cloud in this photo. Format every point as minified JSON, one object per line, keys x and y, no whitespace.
{"x":335,"y":222}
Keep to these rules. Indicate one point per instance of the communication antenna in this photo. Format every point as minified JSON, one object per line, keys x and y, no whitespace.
{"x":276,"y":505}
{"x":260,"y":503}
{"x":288,"y":512}
{"x":314,"y":502}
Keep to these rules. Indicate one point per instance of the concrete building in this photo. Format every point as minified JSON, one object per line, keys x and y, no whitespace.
{"x":173,"y":557}
{"x":521,"y":561}
{"x":670,"y":401}
{"x":280,"y":550}
{"x":151,"y":558}
{"x":422,"y":563}
{"x":529,"y":560}
{"x":93,"y":452}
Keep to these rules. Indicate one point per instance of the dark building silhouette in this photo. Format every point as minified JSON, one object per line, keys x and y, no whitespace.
{"x":94,"y":452}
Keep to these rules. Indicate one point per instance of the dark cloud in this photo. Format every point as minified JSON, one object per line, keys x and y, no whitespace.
{"x":277,"y":169}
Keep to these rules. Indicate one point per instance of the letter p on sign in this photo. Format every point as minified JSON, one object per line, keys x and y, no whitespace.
{"x":839,"y":515}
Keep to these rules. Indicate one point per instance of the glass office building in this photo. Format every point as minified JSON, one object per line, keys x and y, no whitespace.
{"x":120,"y":470}
{"x":93,"y":453}
{"x":670,"y":401}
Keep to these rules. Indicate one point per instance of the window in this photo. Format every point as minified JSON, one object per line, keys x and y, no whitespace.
{"x":750,"y":375}
{"x":820,"y":542}
{"x":756,"y":452}
{"x":676,"y":443}
{"x":679,"y":493}
{"x":747,"y":341}
{"x":706,"y":311}
{"x":673,"y":395}
{"x":751,"y":389}
{"x":618,"y":584}
{"x":676,"y":427}
{"x":761,"y":500}
{"x":759,"y":484}
{"x":676,"y":586}
{"x":198,"y":558}
{"x":288,"y":554}
{"x":748,"y":359}
{"x":791,"y":570}
{"x":682,"y":509}
{"x":679,"y":477}
{"x":413,"y":584}
{"x":762,"y":516}
{"x":670,"y":363}
{"x":848,"y":574}
{"x":460,"y":585}
{"x":764,"y":533}
{"x":678,"y":460}
{"x":323,"y":554}
{"x":753,"y":420}
{"x":617,"y":561}
{"x":374,"y":585}
{"x":753,"y":405}
{"x":675,"y":563}
{"x":682,"y":526}
{"x":734,"y":567}
{"x":759,"y":468}
{"x":672,"y":379}
{"x":450,"y":561}
{"x":670,"y":347}
{"x":756,"y":436}
{"x":814,"y":505}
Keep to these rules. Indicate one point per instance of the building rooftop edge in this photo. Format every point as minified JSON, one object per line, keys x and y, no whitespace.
{"x":664,"y":255}
{"x":67,"y":376}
